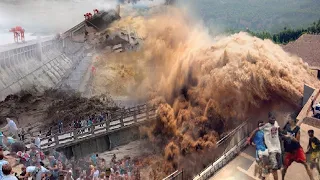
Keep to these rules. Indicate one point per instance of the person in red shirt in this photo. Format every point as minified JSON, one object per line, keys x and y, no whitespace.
{"x":89,"y":15}
{"x":93,"y":69}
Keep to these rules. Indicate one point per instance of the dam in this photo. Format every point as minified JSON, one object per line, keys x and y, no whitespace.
{"x":64,"y":62}
{"x":50,"y":62}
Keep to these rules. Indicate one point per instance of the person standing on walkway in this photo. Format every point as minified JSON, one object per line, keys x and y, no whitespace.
{"x":312,"y":104}
{"x":292,"y":148}
{"x":257,"y":139}
{"x":22,"y":134}
{"x":60,"y":126}
{"x":79,"y":126}
{"x":101,"y":119}
{"x":84,"y":125}
{"x":313,"y":150}
{"x":49,"y":134}
{"x":90,"y":123}
{"x":70,"y":128}
{"x":94,"y":118}
{"x":37,"y":142}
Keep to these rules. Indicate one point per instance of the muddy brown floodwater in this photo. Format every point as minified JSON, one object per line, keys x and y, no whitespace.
{"x":41,"y":110}
{"x":201,"y":83}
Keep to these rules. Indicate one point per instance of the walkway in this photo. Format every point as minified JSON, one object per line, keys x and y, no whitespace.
{"x":242,"y":167}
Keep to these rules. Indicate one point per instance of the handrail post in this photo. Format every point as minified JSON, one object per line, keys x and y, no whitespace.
{"x":92,"y":128}
{"x":108,"y":115}
{"x":75,"y":134}
{"x":56,"y":139}
{"x":147,"y":111}
{"x":121,"y":120}
{"x":107,"y":124}
{"x":135,"y":115}
{"x":182,"y":174}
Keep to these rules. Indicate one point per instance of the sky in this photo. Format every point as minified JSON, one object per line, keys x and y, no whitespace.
{"x":48,"y":17}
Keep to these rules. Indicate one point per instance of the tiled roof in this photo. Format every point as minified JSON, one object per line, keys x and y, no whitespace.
{"x":307,"y":47}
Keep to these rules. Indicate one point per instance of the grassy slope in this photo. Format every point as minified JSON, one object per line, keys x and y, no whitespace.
{"x":269,"y":15}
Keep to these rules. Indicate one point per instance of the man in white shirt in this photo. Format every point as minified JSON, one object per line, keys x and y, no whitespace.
{"x":11,"y":127}
{"x":37,"y":142}
{"x":36,"y":171}
{"x":272,"y":141}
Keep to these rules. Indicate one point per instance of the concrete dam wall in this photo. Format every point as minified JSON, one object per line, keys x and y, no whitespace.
{"x":38,"y":65}
{"x":101,"y":143}
{"x":51,"y":63}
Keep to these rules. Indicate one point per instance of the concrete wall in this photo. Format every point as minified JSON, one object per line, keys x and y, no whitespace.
{"x":38,"y":65}
{"x":125,"y":136}
{"x":307,"y":92}
{"x":105,"y":142}
{"x":86,"y":147}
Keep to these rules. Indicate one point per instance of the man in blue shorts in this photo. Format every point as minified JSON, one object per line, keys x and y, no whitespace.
{"x":257,"y":139}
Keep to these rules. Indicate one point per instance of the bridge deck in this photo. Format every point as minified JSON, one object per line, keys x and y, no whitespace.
{"x":242,"y":167}
{"x":122,"y":119}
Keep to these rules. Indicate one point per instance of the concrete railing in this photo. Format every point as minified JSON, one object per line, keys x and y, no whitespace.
{"x":314,"y":122}
{"x":177,"y":175}
{"x":233,"y":143}
{"x":226,"y":149}
{"x":307,"y":106}
{"x":124,"y":118}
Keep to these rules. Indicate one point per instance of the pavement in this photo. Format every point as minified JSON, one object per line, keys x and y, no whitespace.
{"x":132,"y":149}
{"x":243,"y":166}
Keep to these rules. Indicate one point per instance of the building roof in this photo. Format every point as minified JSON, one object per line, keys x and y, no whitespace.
{"x":307,"y":47}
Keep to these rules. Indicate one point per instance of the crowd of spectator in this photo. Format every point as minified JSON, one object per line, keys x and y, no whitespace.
{"x":36,"y":165}
{"x":97,"y":168}
{"x":83,"y":122}
{"x":53,"y":166}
